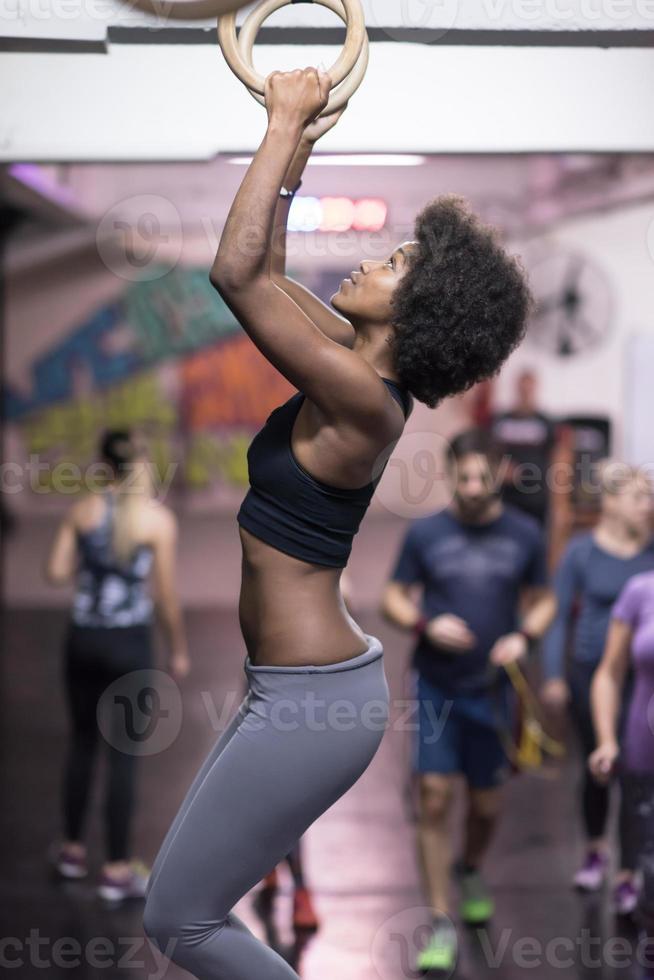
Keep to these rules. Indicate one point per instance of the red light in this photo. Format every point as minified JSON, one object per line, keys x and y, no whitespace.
{"x":330,"y":214}
{"x":369,"y":214}
{"x":337,"y":213}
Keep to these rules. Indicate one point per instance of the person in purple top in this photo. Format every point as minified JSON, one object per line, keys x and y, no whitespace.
{"x":593,"y":570}
{"x":630,"y":643}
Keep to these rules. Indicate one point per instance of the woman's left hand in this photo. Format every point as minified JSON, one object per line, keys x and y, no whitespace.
{"x":294,"y":98}
{"x":320,"y":126}
{"x":602,"y":761}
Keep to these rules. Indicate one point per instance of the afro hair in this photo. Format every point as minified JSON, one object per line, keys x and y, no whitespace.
{"x":460,"y":308}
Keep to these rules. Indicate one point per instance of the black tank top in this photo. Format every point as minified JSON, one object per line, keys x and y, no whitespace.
{"x":109,"y":593}
{"x":293,"y":511}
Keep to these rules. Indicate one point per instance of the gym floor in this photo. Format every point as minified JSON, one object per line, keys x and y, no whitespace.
{"x":359,"y":856}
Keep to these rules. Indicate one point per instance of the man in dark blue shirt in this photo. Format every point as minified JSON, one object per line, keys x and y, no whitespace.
{"x":477,"y":563}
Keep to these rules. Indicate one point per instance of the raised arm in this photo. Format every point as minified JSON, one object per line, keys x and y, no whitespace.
{"x":332,"y":325}
{"x":336,"y":379}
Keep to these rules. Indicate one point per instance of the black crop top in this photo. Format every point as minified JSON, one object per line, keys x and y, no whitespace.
{"x":290,"y":509}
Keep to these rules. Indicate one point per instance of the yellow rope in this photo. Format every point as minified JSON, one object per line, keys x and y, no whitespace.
{"x":534,"y":740}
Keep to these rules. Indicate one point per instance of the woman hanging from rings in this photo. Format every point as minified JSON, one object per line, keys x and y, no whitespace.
{"x":429,"y":320}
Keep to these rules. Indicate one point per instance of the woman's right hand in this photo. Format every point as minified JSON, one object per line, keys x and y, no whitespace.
{"x":450,"y":632}
{"x":294,"y":98}
{"x":602,"y":761}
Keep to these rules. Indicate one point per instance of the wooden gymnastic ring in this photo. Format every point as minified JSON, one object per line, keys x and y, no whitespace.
{"x":339,"y":95}
{"x":256,"y":82}
{"x":188,"y":9}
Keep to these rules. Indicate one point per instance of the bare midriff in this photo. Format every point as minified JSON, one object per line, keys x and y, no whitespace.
{"x":291,"y":611}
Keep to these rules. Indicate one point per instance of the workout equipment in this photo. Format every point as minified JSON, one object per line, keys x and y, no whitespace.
{"x":529,"y":748}
{"x":188,"y":9}
{"x":346,"y":73}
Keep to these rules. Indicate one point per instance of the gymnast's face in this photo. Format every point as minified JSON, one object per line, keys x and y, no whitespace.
{"x":365,"y":296}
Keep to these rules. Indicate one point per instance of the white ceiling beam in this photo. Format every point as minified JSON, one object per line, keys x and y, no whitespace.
{"x":178,"y":103}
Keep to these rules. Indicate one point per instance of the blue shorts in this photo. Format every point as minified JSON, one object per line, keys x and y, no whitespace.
{"x":462,"y":734}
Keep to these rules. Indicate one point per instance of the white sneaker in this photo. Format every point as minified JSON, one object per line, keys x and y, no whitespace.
{"x":592,"y":873}
{"x":67,"y":863}
{"x":132,"y":885}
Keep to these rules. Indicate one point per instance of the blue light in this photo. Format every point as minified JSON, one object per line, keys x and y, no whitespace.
{"x":305,"y":214}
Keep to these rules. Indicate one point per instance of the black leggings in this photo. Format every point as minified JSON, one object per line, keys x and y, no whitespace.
{"x":595,"y":797}
{"x":638,"y":827}
{"x":95,"y":657}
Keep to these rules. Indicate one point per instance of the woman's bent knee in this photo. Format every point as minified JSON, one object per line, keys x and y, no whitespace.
{"x":162,"y":921}
{"x":156,"y":926}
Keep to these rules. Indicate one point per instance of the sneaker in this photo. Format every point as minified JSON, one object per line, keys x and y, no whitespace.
{"x":625,"y":897}
{"x":132,"y":885}
{"x":477,"y":905}
{"x":304,"y":916}
{"x":67,"y":862}
{"x":592,"y":873}
{"x":440,"y":953}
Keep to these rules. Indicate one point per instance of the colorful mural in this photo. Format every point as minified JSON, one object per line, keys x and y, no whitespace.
{"x":169,"y":359}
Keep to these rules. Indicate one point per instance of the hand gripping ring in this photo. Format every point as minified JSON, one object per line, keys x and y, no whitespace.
{"x":348,"y":69}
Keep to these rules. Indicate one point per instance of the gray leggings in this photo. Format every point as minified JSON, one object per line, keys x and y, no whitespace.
{"x":300,"y":739}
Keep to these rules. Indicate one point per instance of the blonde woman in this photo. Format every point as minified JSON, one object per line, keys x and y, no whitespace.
{"x":110,"y":543}
{"x":594,"y":569}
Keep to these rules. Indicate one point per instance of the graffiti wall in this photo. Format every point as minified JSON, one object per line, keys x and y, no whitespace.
{"x":167,"y":357}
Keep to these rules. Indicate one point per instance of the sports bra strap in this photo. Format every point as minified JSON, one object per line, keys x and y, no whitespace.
{"x":401,"y":395}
